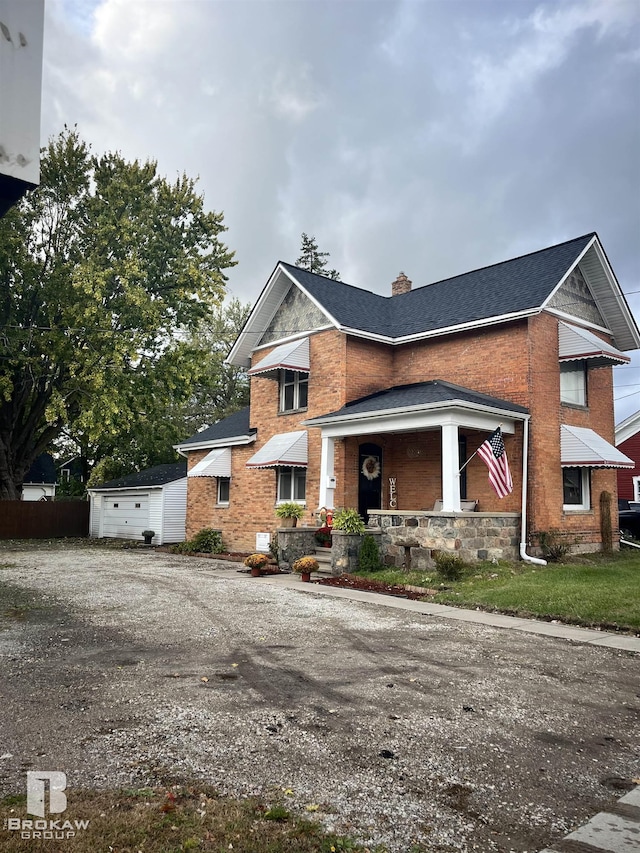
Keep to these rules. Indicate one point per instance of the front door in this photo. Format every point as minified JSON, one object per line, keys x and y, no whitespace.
{"x":369,"y":479}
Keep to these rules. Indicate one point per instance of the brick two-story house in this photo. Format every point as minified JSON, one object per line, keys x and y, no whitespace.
{"x":377,"y":402}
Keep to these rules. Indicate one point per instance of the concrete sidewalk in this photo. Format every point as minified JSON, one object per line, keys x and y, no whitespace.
{"x":614,"y":831}
{"x":496,"y":620}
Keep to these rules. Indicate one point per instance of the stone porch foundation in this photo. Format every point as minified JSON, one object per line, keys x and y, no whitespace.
{"x":410,"y":537}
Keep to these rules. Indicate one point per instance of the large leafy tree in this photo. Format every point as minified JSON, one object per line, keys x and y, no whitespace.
{"x":105,"y":271}
{"x":219,"y":389}
{"x":312,"y":259}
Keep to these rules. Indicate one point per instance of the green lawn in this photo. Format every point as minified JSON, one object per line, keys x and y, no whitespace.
{"x":176,"y":819}
{"x":593,"y":590}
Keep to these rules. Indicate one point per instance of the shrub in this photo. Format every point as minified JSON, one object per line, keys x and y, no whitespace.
{"x":552,"y":550}
{"x":369,"y":556}
{"x":450,"y":566}
{"x":206,"y":541}
{"x":349,"y":521}
{"x":273,"y":547}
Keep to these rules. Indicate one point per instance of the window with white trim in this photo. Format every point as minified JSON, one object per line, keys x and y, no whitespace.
{"x":224,"y":485}
{"x":573,"y":383}
{"x":636,"y":488}
{"x":575,"y":489}
{"x":292,"y":484}
{"x":294,"y":390}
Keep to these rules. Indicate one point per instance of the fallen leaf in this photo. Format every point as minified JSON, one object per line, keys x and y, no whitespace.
{"x":204,"y":678}
{"x":312,"y":807}
{"x":235,"y":664}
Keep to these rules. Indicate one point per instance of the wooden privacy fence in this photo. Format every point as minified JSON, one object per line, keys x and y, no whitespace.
{"x":43,"y":519}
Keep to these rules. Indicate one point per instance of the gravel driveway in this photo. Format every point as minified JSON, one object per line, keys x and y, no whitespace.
{"x":126,"y":668}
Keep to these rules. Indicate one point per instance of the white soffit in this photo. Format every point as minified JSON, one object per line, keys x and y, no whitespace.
{"x":576,"y":344}
{"x":287,"y":448}
{"x":584,"y":448}
{"x":291,"y":356}
{"x":217,"y":463}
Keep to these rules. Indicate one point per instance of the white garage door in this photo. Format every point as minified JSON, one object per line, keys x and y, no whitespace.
{"x":125,"y":516}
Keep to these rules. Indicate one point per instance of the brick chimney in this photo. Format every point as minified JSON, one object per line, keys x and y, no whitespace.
{"x":401,"y":285}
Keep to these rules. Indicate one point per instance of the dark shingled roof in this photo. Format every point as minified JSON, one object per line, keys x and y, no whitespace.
{"x":433,"y":392}
{"x":159,"y":475}
{"x":43,"y":470}
{"x":509,"y":287}
{"x":230,"y":427}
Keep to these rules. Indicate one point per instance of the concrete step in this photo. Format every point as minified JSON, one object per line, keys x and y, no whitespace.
{"x":323,"y":556}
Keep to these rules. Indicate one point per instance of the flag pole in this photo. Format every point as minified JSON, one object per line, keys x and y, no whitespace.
{"x":499,"y":427}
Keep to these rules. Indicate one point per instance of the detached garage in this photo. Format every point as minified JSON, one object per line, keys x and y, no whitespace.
{"x":155,"y":499}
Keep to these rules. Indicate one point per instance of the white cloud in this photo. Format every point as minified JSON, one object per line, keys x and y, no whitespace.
{"x":293,"y":94}
{"x":542,"y":42}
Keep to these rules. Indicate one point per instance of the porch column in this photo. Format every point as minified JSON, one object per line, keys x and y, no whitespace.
{"x":450,"y":468}
{"x":327,"y":476}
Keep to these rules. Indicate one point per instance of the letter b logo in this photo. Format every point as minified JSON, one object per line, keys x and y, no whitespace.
{"x":35,"y":791}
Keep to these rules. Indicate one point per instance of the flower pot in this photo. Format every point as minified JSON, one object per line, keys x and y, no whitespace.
{"x":305,"y":577}
{"x":256,"y":572}
{"x":288,"y":522}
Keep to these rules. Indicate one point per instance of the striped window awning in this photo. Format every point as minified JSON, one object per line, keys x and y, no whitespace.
{"x":584,"y":448}
{"x":217,"y":463}
{"x":287,"y":448}
{"x":291,"y":356}
{"x":576,"y":344}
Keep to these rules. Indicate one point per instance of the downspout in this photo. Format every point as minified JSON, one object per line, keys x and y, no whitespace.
{"x":523,"y":528}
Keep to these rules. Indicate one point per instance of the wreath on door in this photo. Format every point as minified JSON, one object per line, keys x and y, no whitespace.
{"x":371,"y":467}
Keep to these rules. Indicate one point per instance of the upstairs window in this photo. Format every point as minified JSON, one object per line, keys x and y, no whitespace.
{"x":292,"y":484}
{"x":294,"y":388}
{"x":573,"y":383}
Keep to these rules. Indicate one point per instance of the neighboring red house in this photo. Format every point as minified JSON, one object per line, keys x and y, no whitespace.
{"x":628,"y":442}
{"x":376,"y":402}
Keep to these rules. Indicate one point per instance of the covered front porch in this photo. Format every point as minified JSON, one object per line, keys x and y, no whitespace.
{"x":417,"y":478}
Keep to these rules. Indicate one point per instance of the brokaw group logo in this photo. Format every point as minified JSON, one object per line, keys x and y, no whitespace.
{"x":43,"y":828}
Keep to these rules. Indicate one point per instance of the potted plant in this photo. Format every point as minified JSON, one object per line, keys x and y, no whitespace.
{"x":304,"y":566}
{"x":289,"y":512}
{"x":256,"y":562}
{"x":349,"y":521}
{"x":323,"y":536}
{"x":148,"y":536}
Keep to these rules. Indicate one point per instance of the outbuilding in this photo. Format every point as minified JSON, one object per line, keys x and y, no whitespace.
{"x":154,"y":499}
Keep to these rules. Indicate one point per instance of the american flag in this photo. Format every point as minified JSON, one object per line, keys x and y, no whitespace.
{"x":494,"y":455}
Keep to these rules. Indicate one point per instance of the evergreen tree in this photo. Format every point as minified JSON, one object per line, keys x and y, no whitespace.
{"x":314,"y":260}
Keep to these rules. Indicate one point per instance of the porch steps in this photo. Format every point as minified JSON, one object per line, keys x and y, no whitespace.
{"x":323,"y":556}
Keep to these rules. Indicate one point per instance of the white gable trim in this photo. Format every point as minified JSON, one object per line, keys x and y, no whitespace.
{"x":263,"y":313}
{"x":629,"y":427}
{"x":620,"y":322}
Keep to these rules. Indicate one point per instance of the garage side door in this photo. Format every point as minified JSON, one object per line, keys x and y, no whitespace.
{"x":125,"y":516}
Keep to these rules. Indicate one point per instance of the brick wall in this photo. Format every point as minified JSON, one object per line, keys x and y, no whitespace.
{"x":547,"y":414}
{"x":253,"y":492}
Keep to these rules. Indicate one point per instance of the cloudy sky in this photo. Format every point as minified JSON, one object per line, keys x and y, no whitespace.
{"x":429,"y":136}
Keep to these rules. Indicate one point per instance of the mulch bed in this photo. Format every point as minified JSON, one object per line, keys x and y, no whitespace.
{"x":368,"y":585}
